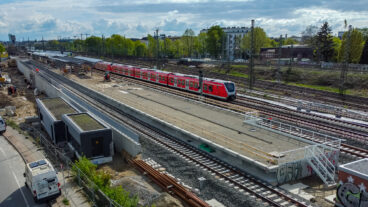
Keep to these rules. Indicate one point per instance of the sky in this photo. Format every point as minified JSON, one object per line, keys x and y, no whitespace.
{"x":53,"y":19}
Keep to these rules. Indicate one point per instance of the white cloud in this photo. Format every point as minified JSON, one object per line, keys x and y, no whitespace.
{"x":52,"y":18}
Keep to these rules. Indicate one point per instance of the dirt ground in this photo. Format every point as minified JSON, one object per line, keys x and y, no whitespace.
{"x":132,"y":180}
{"x":23,"y":100}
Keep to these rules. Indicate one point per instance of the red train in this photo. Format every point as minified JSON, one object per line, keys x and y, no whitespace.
{"x":216,"y":88}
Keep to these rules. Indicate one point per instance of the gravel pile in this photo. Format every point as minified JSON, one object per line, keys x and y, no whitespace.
{"x":189,"y":174}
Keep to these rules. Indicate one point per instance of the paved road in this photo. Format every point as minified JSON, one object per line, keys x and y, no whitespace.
{"x":13,"y":193}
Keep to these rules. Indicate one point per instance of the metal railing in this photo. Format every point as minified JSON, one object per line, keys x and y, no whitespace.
{"x":315,"y":139}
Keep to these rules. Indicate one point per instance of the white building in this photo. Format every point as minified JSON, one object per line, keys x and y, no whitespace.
{"x":232,"y":42}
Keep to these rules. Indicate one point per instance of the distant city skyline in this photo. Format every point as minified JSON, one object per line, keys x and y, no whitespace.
{"x":135,"y":19}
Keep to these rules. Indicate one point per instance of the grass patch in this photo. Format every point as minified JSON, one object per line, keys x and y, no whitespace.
{"x":238,"y":74}
{"x":239,"y":66}
{"x":66,"y":201}
{"x":12,"y":124}
{"x":322,"y":88}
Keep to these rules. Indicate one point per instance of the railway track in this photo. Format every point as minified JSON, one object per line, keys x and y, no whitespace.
{"x":346,"y":130}
{"x":325,"y":96}
{"x":268,"y":194}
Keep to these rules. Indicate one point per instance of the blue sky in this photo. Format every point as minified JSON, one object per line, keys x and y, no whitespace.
{"x":137,"y":18}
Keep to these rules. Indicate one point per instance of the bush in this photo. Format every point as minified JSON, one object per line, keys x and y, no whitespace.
{"x":103,"y":182}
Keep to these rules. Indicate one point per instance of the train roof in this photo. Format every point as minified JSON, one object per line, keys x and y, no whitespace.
{"x":204,"y":78}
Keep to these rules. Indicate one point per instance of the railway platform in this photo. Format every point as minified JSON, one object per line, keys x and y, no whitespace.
{"x":268,"y":155}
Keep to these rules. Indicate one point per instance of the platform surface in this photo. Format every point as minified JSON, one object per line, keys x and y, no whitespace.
{"x":222,"y":127}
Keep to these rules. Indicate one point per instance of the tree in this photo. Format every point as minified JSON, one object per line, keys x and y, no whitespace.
{"x":214,"y":40}
{"x":324,"y":43}
{"x":140,"y":49}
{"x":336,"y":46}
{"x":364,"y":58}
{"x":200,"y":44}
{"x":308,"y":34}
{"x":188,"y":40}
{"x":290,"y":41}
{"x":94,"y":44}
{"x":2,"y":48}
{"x":352,"y":48}
{"x":260,"y":40}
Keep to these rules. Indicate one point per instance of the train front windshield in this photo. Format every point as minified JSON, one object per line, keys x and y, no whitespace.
{"x":230,"y":87}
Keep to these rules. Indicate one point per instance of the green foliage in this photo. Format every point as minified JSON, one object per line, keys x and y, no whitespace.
{"x":290,"y":41}
{"x":2,"y":48}
{"x":324,"y":43}
{"x":336,"y":46}
{"x":260,"y":40}
{"x":188,"y":39}
{"x":66,"y":201}
{"x":214,"y":40}
{"x":12,"y":124}
{"x":94,"y":44}
{"x":103,"y":182}
{"x":351,"y":49}
{"x":364,"y":58}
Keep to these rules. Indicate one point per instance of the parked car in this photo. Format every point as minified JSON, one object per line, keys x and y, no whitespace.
{"x":41,"y":180}
{"x":2,"y":125}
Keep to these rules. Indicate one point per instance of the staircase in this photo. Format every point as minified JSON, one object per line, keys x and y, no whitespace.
{"x":320,"y":164}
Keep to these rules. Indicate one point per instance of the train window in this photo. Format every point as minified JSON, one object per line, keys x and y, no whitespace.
{"x":191,"y":84}
{"x":210,"y":88}
{"x":175,"y":81}
{"x":205,"y":87}
{"x":195,"y":85}
{"x":172,"y":80}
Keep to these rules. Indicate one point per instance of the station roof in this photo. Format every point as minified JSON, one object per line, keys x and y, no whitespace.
{"x":86,"y":122}
{"x":58,"y":107}
{"x":68,"y":60}
{"x":91,"y":60}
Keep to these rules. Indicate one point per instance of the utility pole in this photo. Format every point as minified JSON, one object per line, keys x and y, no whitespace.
{"x":278,"y":71}
{"x":251,"y":62}
{"x":43,"y":45}
{"x":344,"y":69}
{"x":157,"y":49}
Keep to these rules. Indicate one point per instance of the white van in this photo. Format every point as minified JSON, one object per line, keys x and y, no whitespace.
{"x":2,"y":125}
{"x":41,"y":179}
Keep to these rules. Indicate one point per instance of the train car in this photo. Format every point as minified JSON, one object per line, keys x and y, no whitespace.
{"x":103,"y":66}
{"x":216,"y":88}
{"x":211,"y":87}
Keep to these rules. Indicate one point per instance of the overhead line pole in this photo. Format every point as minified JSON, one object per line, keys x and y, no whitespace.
{"x":251,"y":65}
{"x":344,"y":70}
{"x":278,"y":71}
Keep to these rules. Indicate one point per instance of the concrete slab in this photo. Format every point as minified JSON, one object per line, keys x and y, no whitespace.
{"x":297,"y":189}
{"x":330,"y":198}
{"x":214,"y":203}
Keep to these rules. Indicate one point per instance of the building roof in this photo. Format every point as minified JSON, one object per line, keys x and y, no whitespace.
{"x":359,"y":167}
{"x":86,"y":122}
{"x":58,"y":107}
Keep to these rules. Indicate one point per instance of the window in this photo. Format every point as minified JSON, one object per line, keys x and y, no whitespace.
{"x":205,"y":87}
{"x":195,"y":85}
{"x":210,"y":88}
{"x":191,"y":84}
{"x":172,"y":80}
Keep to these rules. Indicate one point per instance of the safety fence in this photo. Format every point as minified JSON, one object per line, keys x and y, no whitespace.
{"x":60,"y":158}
